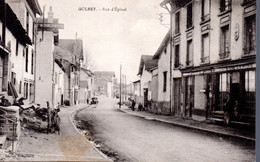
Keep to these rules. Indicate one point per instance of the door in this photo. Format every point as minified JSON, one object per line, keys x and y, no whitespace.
{"x":145,"y":97}
{"x":189,"y":95}
{"x":177,"y":96}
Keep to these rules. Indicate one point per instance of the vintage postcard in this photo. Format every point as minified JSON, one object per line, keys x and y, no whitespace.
{"x":128,"y":80}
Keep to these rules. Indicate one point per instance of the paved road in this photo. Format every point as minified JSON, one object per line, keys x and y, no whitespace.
{"x":143,"y":140}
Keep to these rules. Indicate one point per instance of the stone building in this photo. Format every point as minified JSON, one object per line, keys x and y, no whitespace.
{"x":20,"y":37}
{"x":213,"y":56}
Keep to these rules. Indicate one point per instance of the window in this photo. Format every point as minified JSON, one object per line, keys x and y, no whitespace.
{"x":13,"y":78}
{"x":31,"y":92}
{"x":27,"y":22}
{"x":189,"y":60}
{"x":17,"y":46}
{"x":224,"y":42}
{"x":205,"y":9}
{"x":26,"y":60}
{"x":225,"y":5}
{"x":164,"y":81}
{"x":176,"y":56}
{"x":189,"y":15}
{"x":20,"y":87}
{"x":32,"y":59}
{"x":224,"y":89}
{"x":250,"y":34}
{"x":165,"y":50}
{"x":25,"y":90}
{"x":250,"y":87}
{"x":177,"y":23}
{"x":205,"y":48}
{"x":250,"y":81}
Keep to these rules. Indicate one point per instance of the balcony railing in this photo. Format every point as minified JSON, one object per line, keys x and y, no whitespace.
{"x":205,"y":59}
{"x":224,"y":55}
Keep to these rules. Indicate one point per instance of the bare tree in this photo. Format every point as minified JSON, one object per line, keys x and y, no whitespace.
{"x":89,"y":63}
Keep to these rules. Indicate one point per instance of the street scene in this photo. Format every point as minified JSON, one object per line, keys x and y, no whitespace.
{"x":113,"y":80}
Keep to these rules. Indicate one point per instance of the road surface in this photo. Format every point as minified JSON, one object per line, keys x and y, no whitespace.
{"x":139,"y":139}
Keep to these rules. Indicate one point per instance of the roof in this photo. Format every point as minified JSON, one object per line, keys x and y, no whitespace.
{"x":136,"y":81}
{"x":34,"y":4}
{"x":148,"y":62}
{"x":88,"y":72}
{"x":162,"y":46}
{"x":60,"y":53}
{"x":179,"y":3}
{"x":74,"y":46}
{"x":108,"y":75}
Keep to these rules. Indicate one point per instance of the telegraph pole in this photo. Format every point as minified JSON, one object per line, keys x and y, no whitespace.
{"x":120,"y":87}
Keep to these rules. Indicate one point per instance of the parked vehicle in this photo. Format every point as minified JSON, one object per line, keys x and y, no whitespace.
{"x":94,"y":100}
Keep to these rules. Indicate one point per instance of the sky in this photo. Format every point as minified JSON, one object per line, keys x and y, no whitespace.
{"x":111,"y":37}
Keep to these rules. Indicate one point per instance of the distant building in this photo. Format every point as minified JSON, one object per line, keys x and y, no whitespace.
{"x":71,"y":52}
{"x":104,"y":83}
{"x":146,"y":64}
{"x":86,"y":85}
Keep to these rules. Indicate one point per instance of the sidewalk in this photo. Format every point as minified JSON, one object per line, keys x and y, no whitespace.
{"x":246,"y":134}
{"x":70,"y":145}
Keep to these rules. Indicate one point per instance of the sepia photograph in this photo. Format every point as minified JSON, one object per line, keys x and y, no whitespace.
{"x":128,"y":80}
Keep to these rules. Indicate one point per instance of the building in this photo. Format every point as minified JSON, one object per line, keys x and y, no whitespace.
{"x":73,"y":51}
{"x":19,"y":38}
{"x":137,"y":91}
{"x":146,"y":64}
{"x":161,"y":78}
{"x":59,"y":77}
{"x":104,"y":83}
{"x":47,"y":38}
{"x":224,"y":34}
{"x":86,"y":85}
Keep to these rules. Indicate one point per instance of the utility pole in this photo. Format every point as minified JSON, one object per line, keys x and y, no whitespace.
{"x":120,"y":87}
{"x":125,"y":88}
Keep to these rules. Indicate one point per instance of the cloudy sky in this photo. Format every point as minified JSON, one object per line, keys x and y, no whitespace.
{"x":111,"y":37}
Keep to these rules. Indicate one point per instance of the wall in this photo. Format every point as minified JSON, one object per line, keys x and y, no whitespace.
{"x":164,"y":65}
{"x":44,"y":74}
{"x":58,"y":85}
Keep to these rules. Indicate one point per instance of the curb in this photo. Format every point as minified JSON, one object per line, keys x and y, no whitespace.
{"x":191,"y":127}
{"x":71,"y":116}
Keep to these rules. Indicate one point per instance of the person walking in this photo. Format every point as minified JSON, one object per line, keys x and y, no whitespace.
{"x":133,"y":105}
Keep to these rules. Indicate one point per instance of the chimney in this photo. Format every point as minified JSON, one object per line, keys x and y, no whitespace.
{"x":50,"y":15}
